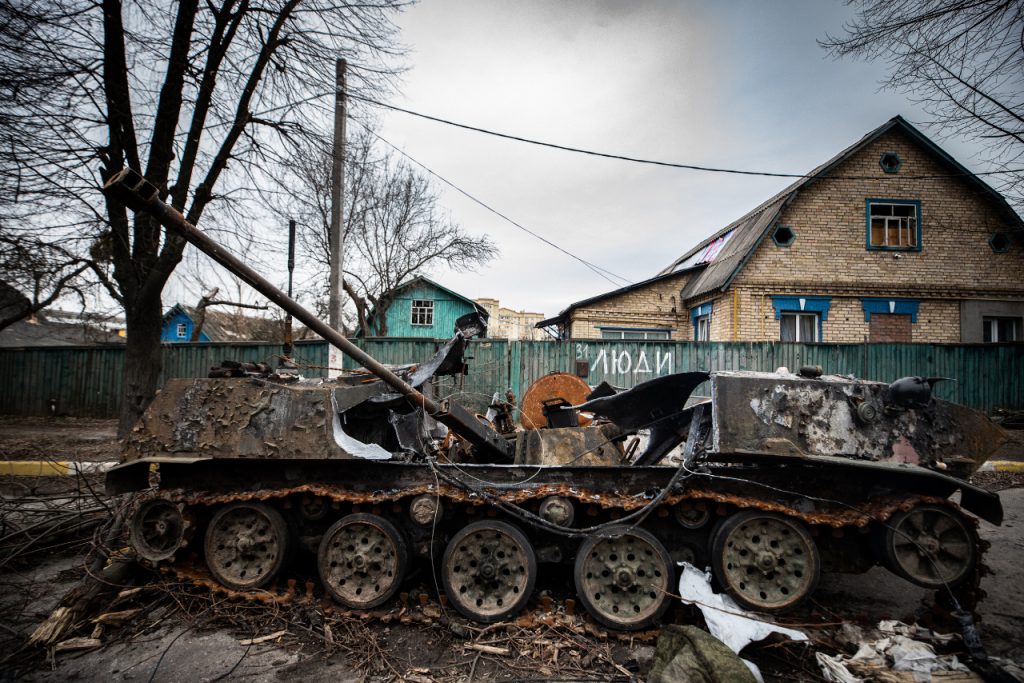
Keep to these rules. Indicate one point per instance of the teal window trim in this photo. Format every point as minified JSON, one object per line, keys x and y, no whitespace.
{"x":890,"y":162}
{"x":804,"y":304}
{"x":890,"y":306}
{"x":916,"y":203}
{"x":784,"y":244}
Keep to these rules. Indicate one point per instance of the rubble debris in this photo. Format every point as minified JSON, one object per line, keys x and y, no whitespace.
{"x":726,"y":620}
{"x":687,"y":653}
{"x":891,"y":653}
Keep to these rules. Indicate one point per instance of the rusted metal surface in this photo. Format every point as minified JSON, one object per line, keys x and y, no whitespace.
{"x":595,"y":446}
{"x":835,"y":516}
{"x":554,"y":385}
{"x":237,"y":418}
{"x":791,"y":416}
{"x":406,"y":609}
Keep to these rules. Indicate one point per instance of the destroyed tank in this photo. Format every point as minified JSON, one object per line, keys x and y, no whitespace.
{"x":773,"y":479}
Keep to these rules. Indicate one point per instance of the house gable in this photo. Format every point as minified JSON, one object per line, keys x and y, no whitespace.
{"x":178,"y":325}
{"x":943,"y":270}
{"x":435,"y":318}
{"x":890,"y":228}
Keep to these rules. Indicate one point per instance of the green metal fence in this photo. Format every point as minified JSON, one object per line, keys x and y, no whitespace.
{"x":86,"y":381}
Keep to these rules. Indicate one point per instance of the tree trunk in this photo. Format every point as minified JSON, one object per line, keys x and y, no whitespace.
{"x":142,"y":359}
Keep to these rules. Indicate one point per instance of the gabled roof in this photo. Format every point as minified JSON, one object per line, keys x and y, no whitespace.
{"x":742,"y":237}
{"x":419,"y":279}
{"x":561,"y":317}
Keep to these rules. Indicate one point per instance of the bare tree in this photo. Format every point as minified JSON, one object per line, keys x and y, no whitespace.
{"x":962,"y":60}
{"x":33,"y":274}
{"x":204,"y":98}
{"x":394,"y":228}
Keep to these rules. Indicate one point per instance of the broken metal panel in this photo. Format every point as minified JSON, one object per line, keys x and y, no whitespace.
{"x":786,"y":415}
{"x":570,"y":446}
{"x":237,"y":418}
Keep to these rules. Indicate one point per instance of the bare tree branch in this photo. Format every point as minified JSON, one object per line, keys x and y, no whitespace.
{"x":961,"y":60}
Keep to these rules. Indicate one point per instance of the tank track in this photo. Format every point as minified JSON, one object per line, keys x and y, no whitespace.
{"x":828,"y":524}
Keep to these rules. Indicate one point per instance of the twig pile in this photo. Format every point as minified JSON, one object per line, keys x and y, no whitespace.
{"x":31,"y":525}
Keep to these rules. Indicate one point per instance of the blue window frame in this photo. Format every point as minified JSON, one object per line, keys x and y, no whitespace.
{"x":890,"y":306}
{"x":800,"y":317}
{"x":893,"y":224}
{"x":701,"y":317}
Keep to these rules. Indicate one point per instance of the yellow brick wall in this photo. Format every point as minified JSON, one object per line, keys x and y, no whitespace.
{"x":829,"y":257}
{"x":655,"y":306}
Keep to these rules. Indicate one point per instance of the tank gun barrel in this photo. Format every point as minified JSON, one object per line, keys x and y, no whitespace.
{"x":139,"y":194}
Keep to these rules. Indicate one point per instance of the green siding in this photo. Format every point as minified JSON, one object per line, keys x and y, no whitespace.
{"x":86,"y":381}
{"x":446,"y":310}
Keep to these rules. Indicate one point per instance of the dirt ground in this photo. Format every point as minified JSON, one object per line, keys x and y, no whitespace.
{"x":184,"y":633}
{"x":61,"y":438}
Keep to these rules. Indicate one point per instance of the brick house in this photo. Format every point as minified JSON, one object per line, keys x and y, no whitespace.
{"x":890,"y":240}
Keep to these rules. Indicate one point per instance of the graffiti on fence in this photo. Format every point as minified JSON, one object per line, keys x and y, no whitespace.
{"x":625,"y":360}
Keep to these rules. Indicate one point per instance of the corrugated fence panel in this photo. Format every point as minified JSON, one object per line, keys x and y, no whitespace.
{"x":86,"y":381}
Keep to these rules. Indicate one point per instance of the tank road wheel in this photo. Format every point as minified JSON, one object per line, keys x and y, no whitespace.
{"x":766,"y":561}
{"x":362,"y":561}
{"x":931,"y":545}
{"x":157,"y":530}
{"x":246,"y":545}
{"x":488,"y":570}
{"x":624,"y":581}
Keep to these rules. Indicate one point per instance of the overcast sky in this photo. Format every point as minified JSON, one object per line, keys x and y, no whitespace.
{"x":738,"y":84}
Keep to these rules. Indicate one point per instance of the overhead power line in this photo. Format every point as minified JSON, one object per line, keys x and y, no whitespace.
{"x":654,"y":162}
{"x":604,"y":273}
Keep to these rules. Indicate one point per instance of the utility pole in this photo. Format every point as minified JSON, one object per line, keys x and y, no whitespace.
{"x":289,"y":349}
{"x":337,"y":233}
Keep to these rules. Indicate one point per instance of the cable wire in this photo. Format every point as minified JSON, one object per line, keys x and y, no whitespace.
{"x":603,"y":272}
{"x":654,"y":162}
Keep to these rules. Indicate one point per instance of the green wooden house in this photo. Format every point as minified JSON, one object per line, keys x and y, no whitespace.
{"x":423,"y":308}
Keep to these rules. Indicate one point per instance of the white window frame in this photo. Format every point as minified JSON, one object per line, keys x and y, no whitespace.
{"x":648,"y":335}
{"x":990,"y":329}
{"x":182,"y":330}
{"x":802,"y":314}
{"x":422,"y":313}
{"x":904,"y":225}
{"x":702,"y":328}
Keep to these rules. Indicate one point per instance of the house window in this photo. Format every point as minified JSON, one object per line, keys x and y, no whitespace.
{"x":182,"y":330}
{"x":701,"y":316}
{"x":422,"y":312}
{"x":799,"y":327}
{"x":1001,"y":329}
{"x":1000,"y":242}
{"x":800,"y":317}
{"x":890,"y":327}
{"x":894,"y":224}
{"x":890,"y":320}
{"x":890,"y":162}
{"x":632,"y":333}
